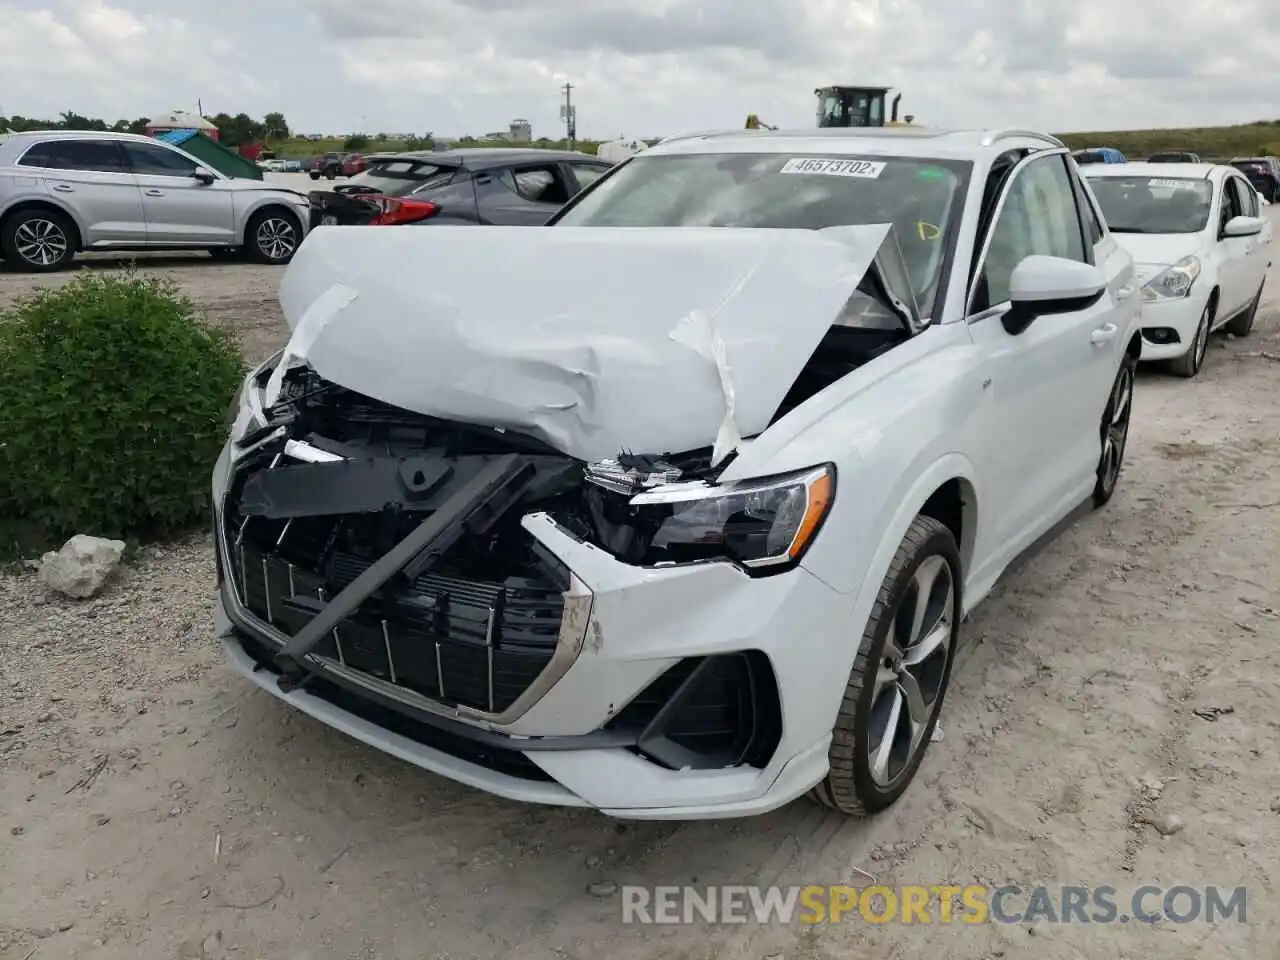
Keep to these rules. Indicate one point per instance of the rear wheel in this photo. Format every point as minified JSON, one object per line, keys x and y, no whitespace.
{"x":1241,"y":325}
{"x":272,"y":236}
{"x":314,"y":175}
{"x":899,"y":676}
{"x":1189,"y":364}
{"x":39,"y":240}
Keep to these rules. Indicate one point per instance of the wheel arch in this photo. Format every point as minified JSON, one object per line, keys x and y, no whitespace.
{"x":51,"y":206}
{"x":264,"y":205}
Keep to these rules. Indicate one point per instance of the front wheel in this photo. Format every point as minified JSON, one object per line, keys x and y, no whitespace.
{"x":272,"y":236}
{"x":1189,"y":364}
{"x":899,"y":676}
{"x":1241,"y":325}
{"x":1115,"y":432}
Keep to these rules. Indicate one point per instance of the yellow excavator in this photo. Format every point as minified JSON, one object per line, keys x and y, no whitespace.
{"x":843,"y":106}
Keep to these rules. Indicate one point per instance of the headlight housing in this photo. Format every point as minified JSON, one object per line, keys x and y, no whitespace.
{"x":1175,"y":283}
{"x":764,"y":525}
{"x":247,"y":415}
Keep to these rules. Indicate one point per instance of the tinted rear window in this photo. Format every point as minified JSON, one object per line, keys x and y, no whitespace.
{"x":399,"y":177}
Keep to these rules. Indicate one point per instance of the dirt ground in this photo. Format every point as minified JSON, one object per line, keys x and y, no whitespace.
{"x":155,"y":807}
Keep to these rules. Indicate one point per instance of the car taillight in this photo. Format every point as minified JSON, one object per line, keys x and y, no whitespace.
{"x":395,"y":211}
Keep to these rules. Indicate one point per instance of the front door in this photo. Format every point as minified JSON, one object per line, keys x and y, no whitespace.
{"x":526,"y":195}
{"x":179,"y":208}
{"x":1043,"y":387}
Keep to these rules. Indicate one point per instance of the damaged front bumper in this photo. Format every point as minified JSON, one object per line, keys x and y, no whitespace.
{"x":564,"y":676}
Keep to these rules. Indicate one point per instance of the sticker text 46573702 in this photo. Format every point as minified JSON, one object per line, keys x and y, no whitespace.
{"x":834,"y":167}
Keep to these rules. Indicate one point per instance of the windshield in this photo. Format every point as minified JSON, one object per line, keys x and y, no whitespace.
{"x":1153,"y":204}
{"x":396,"y":178}
{"x":921,"y":198}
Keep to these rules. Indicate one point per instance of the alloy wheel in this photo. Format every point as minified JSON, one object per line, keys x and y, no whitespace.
{"x":276,"y":238}
{"x":911,"y":673}
{"x":41,"y":242}
{"x":1115,"y":427}
{"x":1201,"y":344}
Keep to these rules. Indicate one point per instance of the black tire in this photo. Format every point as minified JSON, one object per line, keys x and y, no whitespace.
{"x":876,"y":681}
{"x":1114,"y":430}
{"x":225,"y":253}
{"x":272,"y":236}
{"x":38,"y":240}
{"x":1241,"y":325}
{"x":331,"y":174}
{"x":1190,"y":363}
{"x":314,"y":175}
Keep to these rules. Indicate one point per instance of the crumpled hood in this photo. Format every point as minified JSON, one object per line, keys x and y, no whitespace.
{"x":1153,"y":253}
{"x":595,"y":340}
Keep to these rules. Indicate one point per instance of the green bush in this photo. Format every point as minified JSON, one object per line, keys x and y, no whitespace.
{"x":114,"y":402}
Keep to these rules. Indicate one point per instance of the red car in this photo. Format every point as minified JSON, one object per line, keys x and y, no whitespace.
{"x":352,"y":164}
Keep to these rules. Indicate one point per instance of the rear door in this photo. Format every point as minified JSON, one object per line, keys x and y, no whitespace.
{"x":92,"y":178}
{"x":179,"y":208}
{"x":525,"y":194}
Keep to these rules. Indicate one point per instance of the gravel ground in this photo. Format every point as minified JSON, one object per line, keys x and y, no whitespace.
{"x":152,"y":805}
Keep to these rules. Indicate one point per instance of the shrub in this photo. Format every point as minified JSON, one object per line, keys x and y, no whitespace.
{"x":114,"y":401}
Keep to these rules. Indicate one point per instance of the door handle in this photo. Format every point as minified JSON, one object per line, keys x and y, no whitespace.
{"x":155,"y":193}
{"x":64,"y":188}
{"x":1125,"y":292}
{"x":1103,"y":334}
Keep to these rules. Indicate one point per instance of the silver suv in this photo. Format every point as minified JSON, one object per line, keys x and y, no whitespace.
{"x":67,"y":190}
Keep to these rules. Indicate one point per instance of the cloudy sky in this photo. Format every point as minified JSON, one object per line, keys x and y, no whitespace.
{"x":643,"y":67}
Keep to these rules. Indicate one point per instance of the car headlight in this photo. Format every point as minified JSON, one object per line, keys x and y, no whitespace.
{"x":246,"y":414}
{"x":1174,"y":283}
{"x":762,"y":523}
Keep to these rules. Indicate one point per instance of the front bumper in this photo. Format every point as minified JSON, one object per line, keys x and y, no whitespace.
{"x":563,"y":745}
{"x":1182,"y":317}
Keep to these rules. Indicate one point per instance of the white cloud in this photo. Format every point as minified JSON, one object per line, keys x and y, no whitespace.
{"x":646,"y":67}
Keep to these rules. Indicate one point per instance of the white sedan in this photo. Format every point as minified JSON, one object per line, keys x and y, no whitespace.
{"x":697,"y":538}
{"x":1203,"y":247}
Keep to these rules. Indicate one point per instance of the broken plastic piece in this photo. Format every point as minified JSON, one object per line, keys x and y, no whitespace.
{"x":630,"y":474}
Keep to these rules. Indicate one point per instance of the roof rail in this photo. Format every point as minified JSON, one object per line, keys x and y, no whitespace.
{"x":994,"y":136}
{"x":706,"y":134}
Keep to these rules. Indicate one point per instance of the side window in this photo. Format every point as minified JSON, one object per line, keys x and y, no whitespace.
{"x":1089,"y":217}
{"x":1246,"y":197}
{"x":538,"y":184}
{"x":100,"y":156}
{"x":1230,"y":204}
{"x":587,"y":173}
{"x":158,"y":161}
{"x":1039,"y":217}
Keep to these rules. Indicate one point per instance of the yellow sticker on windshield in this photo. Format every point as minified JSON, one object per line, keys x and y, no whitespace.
{"x":834,"y":167}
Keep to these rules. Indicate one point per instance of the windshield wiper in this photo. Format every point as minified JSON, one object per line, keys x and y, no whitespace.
{"x":1128,"y":230}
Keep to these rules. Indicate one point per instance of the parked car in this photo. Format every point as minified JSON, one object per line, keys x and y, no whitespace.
{"x":273,"y":165}
{"x":519,"y":186}
{"x":62,"y":191}
{"x":328,"y":165}
{"x":1099,"y":155}
{"x":1202,"y":246}
{"x":1174,"y":156}
{"x":352,"y":164}
{"x":1263,"y":173}
{"x":293,"y":165}
{"x":503,"y":523}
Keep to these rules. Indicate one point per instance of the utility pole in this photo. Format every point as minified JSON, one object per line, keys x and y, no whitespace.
{"x":567,"y":115}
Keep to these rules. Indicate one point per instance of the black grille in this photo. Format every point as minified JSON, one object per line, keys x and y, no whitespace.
{"x":510,"y":762}
{"x":451,"y":635}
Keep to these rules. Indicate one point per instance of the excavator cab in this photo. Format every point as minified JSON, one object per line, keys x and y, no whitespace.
{"x":855,"y":106}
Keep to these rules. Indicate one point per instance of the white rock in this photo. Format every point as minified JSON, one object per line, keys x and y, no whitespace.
{"x":82,"y":566}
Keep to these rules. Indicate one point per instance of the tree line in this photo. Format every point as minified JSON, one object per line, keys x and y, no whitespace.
{"x":233,"y":131}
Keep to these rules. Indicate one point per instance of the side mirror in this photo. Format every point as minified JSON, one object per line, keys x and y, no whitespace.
{"x":1243,"y":227}
{"x":1043,"y":285}
{"x":202,"y":175}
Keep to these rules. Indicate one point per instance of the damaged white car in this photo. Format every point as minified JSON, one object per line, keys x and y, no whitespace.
{"x":673,"y":508}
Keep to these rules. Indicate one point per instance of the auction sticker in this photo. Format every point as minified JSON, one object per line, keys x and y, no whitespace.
{"x":1174,"y":184}
{"x":834,"y":167}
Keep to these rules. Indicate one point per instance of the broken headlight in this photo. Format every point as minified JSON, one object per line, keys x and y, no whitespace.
{"x":247,"y":415}
{"x":762,"y":523}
